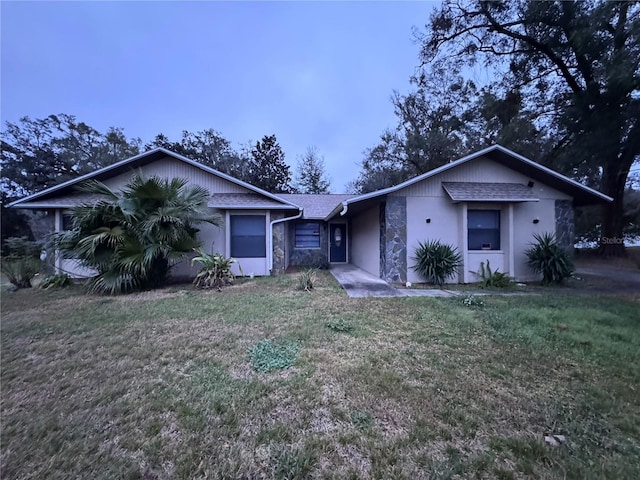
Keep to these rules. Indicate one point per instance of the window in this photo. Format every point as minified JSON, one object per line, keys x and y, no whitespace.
{"x":248,"y":236}
{"x":67,"y":221}
{"x":484,"y":229}
{"x":307,"y":235}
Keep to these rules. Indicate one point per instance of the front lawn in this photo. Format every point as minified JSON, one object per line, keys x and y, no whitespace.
{"x":159,"y":385}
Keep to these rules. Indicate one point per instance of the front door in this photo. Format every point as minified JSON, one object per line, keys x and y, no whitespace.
{"x":338,"y":243}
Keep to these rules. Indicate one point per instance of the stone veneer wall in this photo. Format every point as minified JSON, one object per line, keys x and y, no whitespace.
{"x":393,"y":241}
{"x":278,"y":245}
{"x":383,"y":232}
{"x":565,"y":224}
{"x":309,"y":257}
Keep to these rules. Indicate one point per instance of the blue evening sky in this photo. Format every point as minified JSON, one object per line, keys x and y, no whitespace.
{"x":312,"y":73}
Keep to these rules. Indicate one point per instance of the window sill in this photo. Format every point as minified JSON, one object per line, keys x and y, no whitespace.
{"x":485,"y":251}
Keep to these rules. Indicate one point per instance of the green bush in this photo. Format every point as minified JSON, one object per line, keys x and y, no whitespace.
{"x":268,"y":355}
{"x":436,"y":261}
{"x":133,"y":237}
{"x":493,"y":279}
{"x":306,"y":280}
{"x":548,"y":258}
{"x":215,"y":270}
{"x":23,"y":261}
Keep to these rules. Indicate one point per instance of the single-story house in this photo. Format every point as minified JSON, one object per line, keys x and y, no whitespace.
{"x":487,"y":204}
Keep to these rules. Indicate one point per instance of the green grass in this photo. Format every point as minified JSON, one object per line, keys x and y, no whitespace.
{"x":160,"y":385}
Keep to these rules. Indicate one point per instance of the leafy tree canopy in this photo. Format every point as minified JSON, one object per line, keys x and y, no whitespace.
{"x":576,"y":65}
{"x":40,"y":153}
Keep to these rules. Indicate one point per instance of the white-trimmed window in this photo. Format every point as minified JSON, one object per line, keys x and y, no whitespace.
{"x":307,"y":235}
{"x":483,"y":229}
{"x":248,"y":236}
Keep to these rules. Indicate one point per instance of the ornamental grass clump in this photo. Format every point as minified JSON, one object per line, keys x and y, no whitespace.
{"x":436,"y":261}
{"x":549,"y":258}
{"x":306,"y":280}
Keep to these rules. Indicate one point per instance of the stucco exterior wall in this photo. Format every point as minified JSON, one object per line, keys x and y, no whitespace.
{"x":365,"y":241}
{"x":427,"y":199}
{"x":213,"y":241}
{"x":524,"y":228}
{"x":444,"y":225}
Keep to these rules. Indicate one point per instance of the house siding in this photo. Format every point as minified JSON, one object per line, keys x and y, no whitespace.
{"x":478,"y":170}
{"x":172,"y":168}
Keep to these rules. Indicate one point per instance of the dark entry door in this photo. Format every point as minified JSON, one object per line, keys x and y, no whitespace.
{"x":338,"y":243}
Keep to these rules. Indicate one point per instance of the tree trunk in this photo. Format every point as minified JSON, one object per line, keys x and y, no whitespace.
{"x":612,"y":240}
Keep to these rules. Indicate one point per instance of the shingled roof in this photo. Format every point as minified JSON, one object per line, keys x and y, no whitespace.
{"x":489,"y":192}
{"x":315,"y":206}
{"x":243,"y":200}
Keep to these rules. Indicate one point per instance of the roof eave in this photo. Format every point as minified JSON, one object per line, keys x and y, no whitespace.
{"x":495,"y":200}
{"x":135,"y":158}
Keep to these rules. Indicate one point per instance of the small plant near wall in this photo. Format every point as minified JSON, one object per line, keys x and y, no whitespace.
{"x":550,"y":259}
{"x":215,"y":270}
{"x":436,"y":262}
{"x":493,"y":278}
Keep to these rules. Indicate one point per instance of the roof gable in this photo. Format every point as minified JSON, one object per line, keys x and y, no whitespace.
{"x":581,"y":194}
{"x":57,"y":194}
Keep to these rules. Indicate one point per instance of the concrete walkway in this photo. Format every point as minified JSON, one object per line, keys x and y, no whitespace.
{"x":359,"y":284}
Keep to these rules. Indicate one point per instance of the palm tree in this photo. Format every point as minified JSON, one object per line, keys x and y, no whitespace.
{"x":133,"y":237}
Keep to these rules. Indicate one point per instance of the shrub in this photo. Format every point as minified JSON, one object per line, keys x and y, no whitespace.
{"x":548,"y":258}
{"x":493,"y":279}
{"x":306,"y":280}
{"x":134,"y":236}
{"x":436,"y":261}
{"x":215,"y":270}
{"x":23,"y":261}
{"x":268,"y":355}
{"x":59,"y":280}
